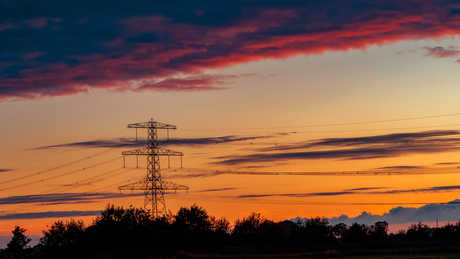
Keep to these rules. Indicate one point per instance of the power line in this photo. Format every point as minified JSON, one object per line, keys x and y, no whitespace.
{"x":84,"y":182}
{"x":55,"y":168}
{"x":41,"y":158}
{"x":336,"y":124}
{"x":404,"y":128}
{"x":61,"y":175}
{"x":203,"y":172}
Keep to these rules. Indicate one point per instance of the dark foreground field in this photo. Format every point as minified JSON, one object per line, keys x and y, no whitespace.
{"x":285,"y":253}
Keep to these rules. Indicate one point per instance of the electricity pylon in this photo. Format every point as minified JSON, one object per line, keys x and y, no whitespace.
{"x":153,"y":186}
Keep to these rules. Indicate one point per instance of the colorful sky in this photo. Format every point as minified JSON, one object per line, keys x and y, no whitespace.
{"x":287,"y":108}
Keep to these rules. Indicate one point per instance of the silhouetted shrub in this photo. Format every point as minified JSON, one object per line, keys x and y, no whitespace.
{"x":379,"y":231}
{"x":62,"y":238}
{"x":318,"y":231}
{"x":356,"y":233}
{"x":17,"y":247}
{"x":418,"y":231}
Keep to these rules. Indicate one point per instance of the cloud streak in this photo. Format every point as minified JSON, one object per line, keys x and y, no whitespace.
{"x":389,"y":139}
{"x":381,"y":146}
{"x":441,"y":52}
{"x":189,"y":84}
{"x":83,"y":46}
{"x":366,"y":191}
{"x":194,"y":175}
{"x":218,"y":190}
{"x":61,"y":198}
{"x":131,"y":142}
{"x":49,"y":214}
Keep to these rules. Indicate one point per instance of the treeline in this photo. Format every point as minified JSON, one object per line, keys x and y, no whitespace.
{"x":133,"y":229}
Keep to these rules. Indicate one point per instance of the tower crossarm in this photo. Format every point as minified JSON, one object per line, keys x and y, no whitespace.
{"x":174,"y":186}
{"x":134,"y":186}
{"x":152,"y":151}
{"x":152,"y":124}
{"x":142,"y":185}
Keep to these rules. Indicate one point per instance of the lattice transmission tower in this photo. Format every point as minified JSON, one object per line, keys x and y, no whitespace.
{"x":153,"y":187}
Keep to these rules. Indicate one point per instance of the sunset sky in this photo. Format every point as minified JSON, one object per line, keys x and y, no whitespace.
{"x":286,"y":108}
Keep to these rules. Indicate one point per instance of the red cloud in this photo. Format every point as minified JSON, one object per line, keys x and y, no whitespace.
{"x":189,"y":84}
{"x":152,"y":48}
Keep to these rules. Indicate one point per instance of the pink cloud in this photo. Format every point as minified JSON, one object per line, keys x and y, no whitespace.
{"x":37,"y":22}
{"x":190,"y":84}
{"x":441,"y":52}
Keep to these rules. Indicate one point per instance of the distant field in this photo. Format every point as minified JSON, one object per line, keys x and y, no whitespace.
{"x":247,"y":254}
{"x":298,"y":256}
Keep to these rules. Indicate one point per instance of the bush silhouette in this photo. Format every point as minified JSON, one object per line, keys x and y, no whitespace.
{"x":17,"y":247}
{"x":418,"y":231}
{"x":62,"y":237}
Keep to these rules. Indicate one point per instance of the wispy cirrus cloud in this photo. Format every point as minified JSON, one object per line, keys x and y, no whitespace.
{"x":131,"y":142}
{"x":448,"y":163}
{"x":401,"y":167}
{"x":194,"y":175}
{"x":381,"y":146}
{"x":364,"y":190}
{"x":380,"y":140}
{"x":49,"y":214}
{"x":60,"y":198}
{"x":189,"y":84}
{"x":112,"y":46}
{"x":218,"y":190}
{"x":120,"y":142}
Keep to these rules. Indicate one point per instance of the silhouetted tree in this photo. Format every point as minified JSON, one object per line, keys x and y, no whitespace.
{"x":117,"y":227}
{"x":339,"y":230}
{"x":18,"y":244}
{"x":249,"y":225}
{"x":398,"y":236}
{"x":379,"y":231}
{"x":448,"y":232}
{"x":356,"y":233}
{"x":318,"y":231}
{"x":246,"y":230}
{"x":193,"y":220}
{"x":110,"y":213}
{"x":418,"y":231}
{"x":195,"y":227}
{"x":291,"y":232}
{"x":61,"y":233}
{"x":221,"y":228}
{"x":62,"y":238}
{"x":270,"y":233}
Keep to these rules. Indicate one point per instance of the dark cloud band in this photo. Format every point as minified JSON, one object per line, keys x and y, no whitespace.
{"x":381,"y":146}
{"x":132,"y":143}
{"x":49,"y":214}
{"x":60,"y":198}
{"x":365,"y":190}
